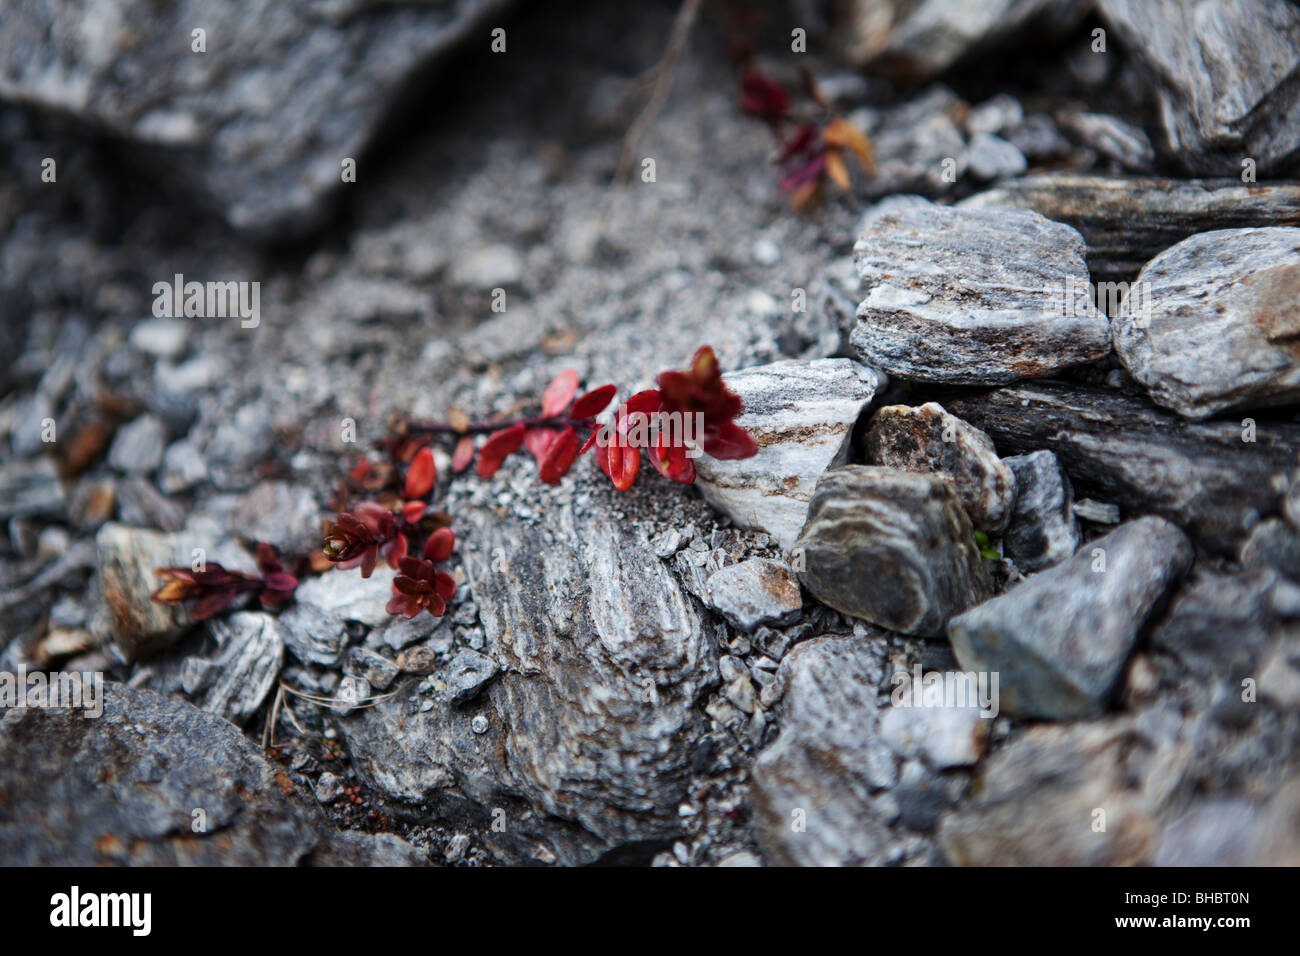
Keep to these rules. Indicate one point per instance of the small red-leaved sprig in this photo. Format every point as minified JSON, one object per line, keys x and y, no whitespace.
{"x":419,"y":585}
{"x":816,"y":148}
{"x":213,"y":589}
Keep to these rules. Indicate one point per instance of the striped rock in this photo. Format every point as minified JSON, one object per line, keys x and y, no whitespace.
{"x":1213,"y":323}
{"x":801,"y":415}
{"x":892,"y":547}
{"x":926,"y":439}
{"x":973,"y":297}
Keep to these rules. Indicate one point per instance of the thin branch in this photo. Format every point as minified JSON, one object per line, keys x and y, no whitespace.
{"x":663,"y":84}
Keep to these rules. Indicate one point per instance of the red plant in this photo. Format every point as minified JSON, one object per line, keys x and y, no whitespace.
{"x":215,"y":588}
{"x":696,"y":406}
{"x":817,"y":149}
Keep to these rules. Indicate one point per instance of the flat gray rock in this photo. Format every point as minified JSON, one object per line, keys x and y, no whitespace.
{"x":928,"y":440}
{"x":1224,"y":76}
{"x":1204,"y":477}
{"x":801,"y":415}
{"x":972,"y":297}
{"x":1061,"y":639}
{"x":1214,"y":322}
{"x":755,"y":592}
{"x":892,"y":547}
{"x":1126,"y":222}
{"x":1043,"y":530}
{"x":813,"y":786}
{"x":261,"y":122}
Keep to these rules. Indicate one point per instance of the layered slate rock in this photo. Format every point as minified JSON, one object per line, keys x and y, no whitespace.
{"x":1225,"y":77}
{"x":892,"y":547}
{"x":801,"y":415}
{"x":129,"y":787}
{"x":603,"y":658}
{"x":1043,"y":529}
{"x":1214,"y":322}
{"x":1060,"y":640}
{"x":262,"y":120}
{"x":827,"y":761}
{"x":1127,"y":222}
{"x":928,"y":440}
{"x":973,"y":297}
{"x":916,"y":40}
{"x":1206,"y":477}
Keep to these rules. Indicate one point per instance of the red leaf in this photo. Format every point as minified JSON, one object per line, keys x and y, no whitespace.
{"x":619,"y":461}
{"x":563,"y":452}
{"x":464,"y":454}
{"x":497,"y":447}
{"x":538,"y":442}
{"x":727,"y":440}
{"x":445,"y":585}
{"x":360,"y":470}
{"x":440,"y":545}
{"x":421,"y":474}
{"x":413,"y":511}
{"x":672,"y":462}
{"x":557,"y":395}
{"x":593,"y":403}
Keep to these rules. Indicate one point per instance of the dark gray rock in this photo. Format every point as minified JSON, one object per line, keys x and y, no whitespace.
{"x":1061,"y":639}
{"x":467,"y":674}
{"x":1218,"y":625}
{"x":262,"y":120}
{"x":801,"y":415}
{"x":378,"y":670}
{"x":152,"y":782}
{"x":1127,"y":222}
{"x":603,"y":658}
{"x":813,"y":787}
{"x":1043,"y":530}
{"x":1214,"y":322}
{"x":927,"y":440}
{"x":1225,"y":77}
{"x":30,"y":488}
{"x":892,"y":547}
{"x":755,"y":592}
{"x":972,"y":297}
{"x":1204,"y":477}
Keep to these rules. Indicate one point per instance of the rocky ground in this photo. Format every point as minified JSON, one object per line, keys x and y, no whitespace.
{"x":968,"y":464}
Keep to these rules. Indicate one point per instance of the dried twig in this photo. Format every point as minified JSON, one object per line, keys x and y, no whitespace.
{"x":663,"y":72}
